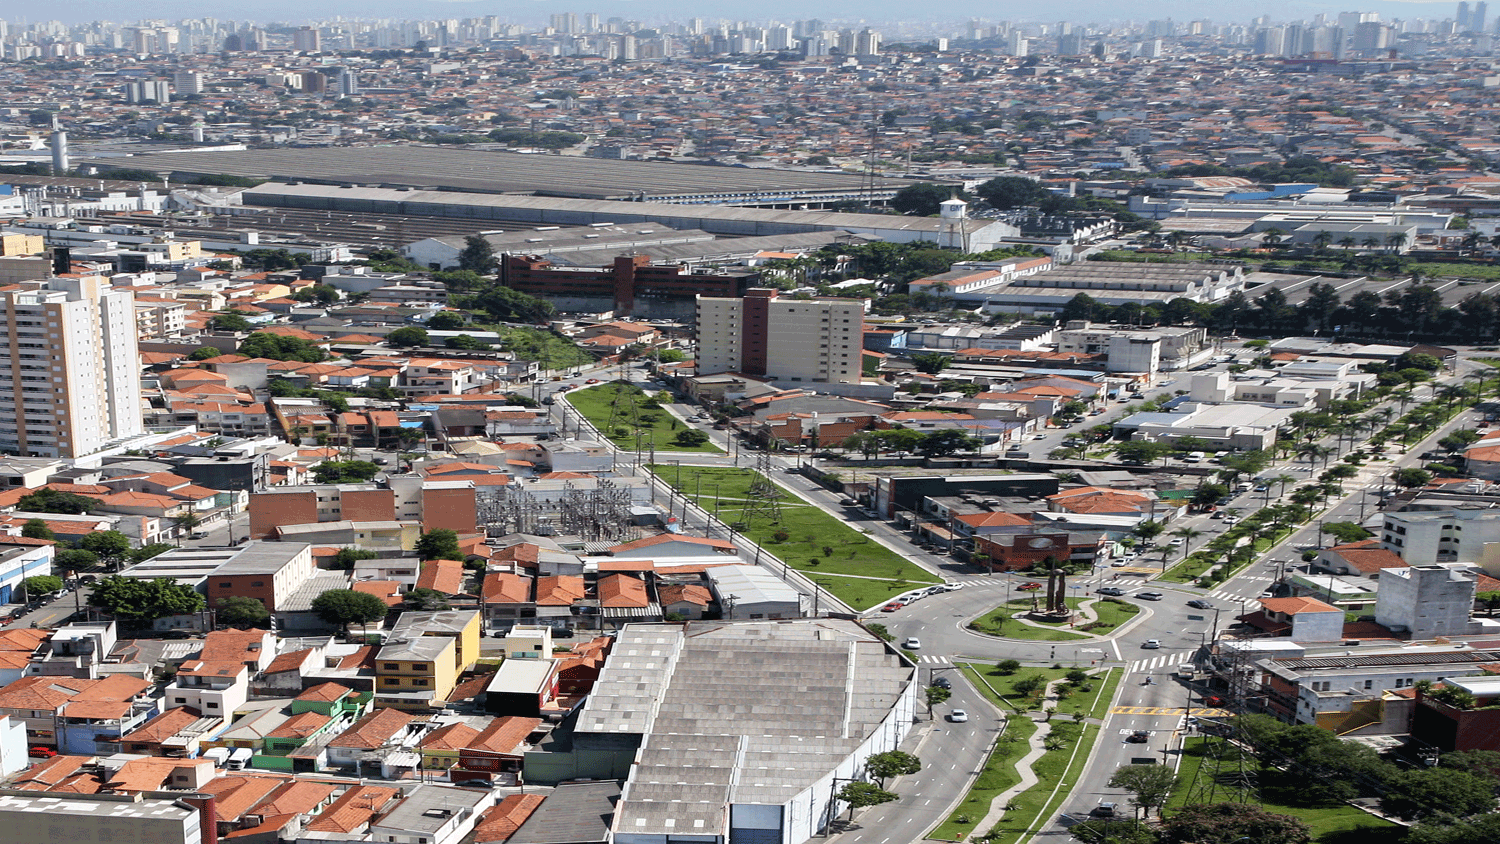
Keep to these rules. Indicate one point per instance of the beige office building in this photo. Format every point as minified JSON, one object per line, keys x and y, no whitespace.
{"x":798,"y":340}
{"x":69,"y":368}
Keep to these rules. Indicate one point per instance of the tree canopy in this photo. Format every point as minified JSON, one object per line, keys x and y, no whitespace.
{"x":890,"y":764}
{"x":242,"y":611}
{"x":439,"y":544}
{"x":1231,"y":822}
{"x":345,"y":471}
{"x":139,"y":601}
{"x":110,"y":546}
{"x":923,"y":199}
{"x":1149,"y":785}
{"x":407,"y":337}
{"x":477,"y":255}
{"x":278,"y":347}
{"x":47,"y":500}
{"x":343,"y":607}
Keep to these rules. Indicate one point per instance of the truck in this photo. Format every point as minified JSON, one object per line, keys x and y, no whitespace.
{"x":217,"y":755}
{"x":239,"y":759}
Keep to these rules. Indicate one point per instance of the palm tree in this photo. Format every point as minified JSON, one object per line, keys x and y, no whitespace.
{"x":1282,"y":481}
{"x":1347,"y":243}
{"x":1187,"y":535}
{"x":1395,"y":241}
{"x":1321,"y":241}
{"x":1404,"y":396}
{"x":1371,"y":242}
{"x":1471,"y":242}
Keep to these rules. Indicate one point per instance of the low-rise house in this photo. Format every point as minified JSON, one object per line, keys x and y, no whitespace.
{"x":371,"y":738}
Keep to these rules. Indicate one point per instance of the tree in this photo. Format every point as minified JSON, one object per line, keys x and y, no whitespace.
{"x":467,"y":342}
{"x":1148,"y":530}
{"x":343,"y":607}
{"x":136,"y":601}
{"x":75,"y":559}
{"x":460,"y":281}
{"x":408,"y":337}
{"x":110,"y":546}
{"x":37,"y":529}
{"x":936,"y":695}
{"x":345,"y":471}
{"x":1416,"y":360}
{"x":426,"y":600}
{"x":1142,"y":452}
{"x":930,"y":363}
{"x":1007,"y":192}
{"x":146,"y":552}
{"x":345,"y":558}
{"x":230,"y":321}
{"x":1007,"y":667}
{"x":1080,"y":307}
{"x":1467,"y":831}
{"x":242,"y":611}
{"x":860,"y":795}
{"x":1424,"y":793}
{"x":1345,"y":532}
{"x":1149,"y":785}
{"x":51,"y":501}
{"x":41,"y":584}
{"x":477,"y":255}
{"x":922,"y":199}
{"x":1224,"y":822}
{"x":892,"y":763}
{"x":505,"y":304}
{"x":277,"y":347}
{"x":689,"y":438}
{"x":446,"y":321}
{"x":946,"y":442}
{"x":204,"y":353}
{"x":1411,"y":477}
{"x":439,"y":544}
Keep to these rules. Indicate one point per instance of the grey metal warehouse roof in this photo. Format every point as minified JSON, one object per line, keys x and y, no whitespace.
{"x":484,"y":171}
{"x":713,"y":736}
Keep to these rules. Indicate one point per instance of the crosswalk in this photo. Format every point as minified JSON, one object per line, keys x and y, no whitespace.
{"x":1204,"y":712}
{"x":1124,"y":580}
{"x":928,"y":659}
{"x":1154,"y":663}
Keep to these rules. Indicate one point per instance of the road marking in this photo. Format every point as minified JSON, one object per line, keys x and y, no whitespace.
{"x":934,"y":660}
{"x":1169,"y":710}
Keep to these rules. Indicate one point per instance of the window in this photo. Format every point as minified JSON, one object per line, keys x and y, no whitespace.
{"x":393,"y":666}
{"x":1369,"y":684}
{"x":212,"y":705}
{"x":226,"y":585}
{"x":258,"y":583}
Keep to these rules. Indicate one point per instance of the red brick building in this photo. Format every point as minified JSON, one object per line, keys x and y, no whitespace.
{"x":629,"y":278}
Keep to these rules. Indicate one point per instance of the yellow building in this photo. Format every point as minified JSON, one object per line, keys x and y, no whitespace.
{"x":424,"y":657}
{"x":21,"y":244}
{"x":416,"y":673}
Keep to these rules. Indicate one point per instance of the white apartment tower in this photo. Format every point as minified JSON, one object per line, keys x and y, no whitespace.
{"x":69,"y":369}
{"x":801,"y":340}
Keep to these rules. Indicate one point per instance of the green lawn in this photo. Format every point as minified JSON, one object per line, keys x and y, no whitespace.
{"x":806,"y":538}
{"x":1057,"y":772}
{"x":1330,"y":823}
{"x":998,"y":774}
{"x":551,"y":350}
{"x":859,"y":592}
{"x":998,"y":621}
{"x":1090,"y":700}
{"x":633,"y":412}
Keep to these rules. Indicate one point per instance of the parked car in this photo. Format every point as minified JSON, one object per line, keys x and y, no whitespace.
{"x":1200,"y":604}
{"x":41,"y":752}
{"x":1029,"y":586}
{"x":958,"y":716}
{"x":893,"y":606}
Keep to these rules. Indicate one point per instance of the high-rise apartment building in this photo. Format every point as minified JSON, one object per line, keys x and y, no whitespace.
{"x":807,"y":340}
{"x":307,"y":39}
{"x":150,"y":91}
{"x":69,"y":369}
{"x":186,"y":82}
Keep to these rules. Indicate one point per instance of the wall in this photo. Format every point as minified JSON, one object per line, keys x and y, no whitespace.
{"x":269,"y":510}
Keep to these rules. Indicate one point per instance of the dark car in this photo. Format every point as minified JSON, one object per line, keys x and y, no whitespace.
{"x":942,"y":683}
{"x":1200,"y":604}
{"x":1139,"y":737}
{"x":1103,"y":810}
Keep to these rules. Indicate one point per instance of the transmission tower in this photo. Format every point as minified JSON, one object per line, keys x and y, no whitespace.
{"x":763,"y":498}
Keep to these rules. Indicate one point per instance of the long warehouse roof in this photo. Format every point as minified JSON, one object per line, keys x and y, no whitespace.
{"x":484,"y":171}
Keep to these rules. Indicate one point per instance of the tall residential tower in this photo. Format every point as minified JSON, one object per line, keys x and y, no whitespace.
{"x":69,"y":368}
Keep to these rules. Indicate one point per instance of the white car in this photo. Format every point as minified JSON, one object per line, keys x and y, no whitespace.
{"x":1151,"y":644}
{"x":912,"y":643}
{"x":1039,"y":436}
{"x":958,"y":716}
{"x":951,"y":586}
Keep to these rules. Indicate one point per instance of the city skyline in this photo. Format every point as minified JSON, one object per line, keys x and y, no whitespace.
{"x":1080,"y":11}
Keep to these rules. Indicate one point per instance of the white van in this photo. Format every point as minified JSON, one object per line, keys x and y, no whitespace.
{"x":216,"y":755}
{"x":239,"y":759}
{"x":1193,"y":457}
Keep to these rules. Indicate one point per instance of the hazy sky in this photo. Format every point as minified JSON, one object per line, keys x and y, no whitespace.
{"x":523,"y":11}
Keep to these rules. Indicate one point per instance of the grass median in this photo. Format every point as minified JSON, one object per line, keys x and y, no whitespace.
{"x":1002,"y":621}
{"x":1203,"y":778}
{"x":861,"y":571}
{"x":632,"y":418}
